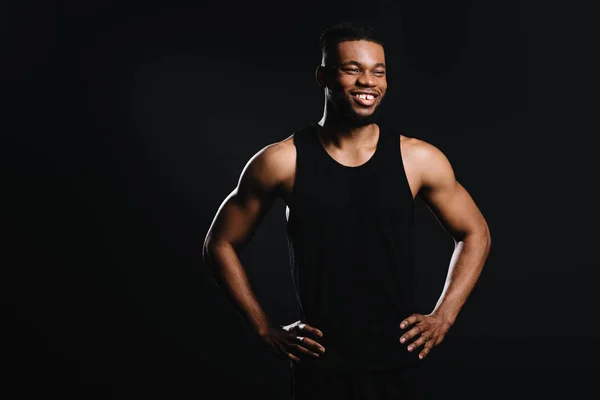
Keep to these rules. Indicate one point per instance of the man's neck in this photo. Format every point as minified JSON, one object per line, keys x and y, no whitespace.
{"x":333,"y":130}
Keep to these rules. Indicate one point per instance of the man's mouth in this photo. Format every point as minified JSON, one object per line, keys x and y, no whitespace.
{"x":364,"y":99}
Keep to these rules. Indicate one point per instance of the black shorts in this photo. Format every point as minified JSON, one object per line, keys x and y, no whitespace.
{"x":407,"y":382}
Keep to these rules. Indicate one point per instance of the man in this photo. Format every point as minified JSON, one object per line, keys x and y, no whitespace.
{"x":349,"y":187}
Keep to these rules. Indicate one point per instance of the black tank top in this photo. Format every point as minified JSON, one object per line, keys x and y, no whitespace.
{"x":350,"y":236}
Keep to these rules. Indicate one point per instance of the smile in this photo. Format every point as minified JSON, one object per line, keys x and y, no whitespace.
{"x":364,"y":99}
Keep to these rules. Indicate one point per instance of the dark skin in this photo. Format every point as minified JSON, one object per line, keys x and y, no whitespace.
{"x":349,"y":78}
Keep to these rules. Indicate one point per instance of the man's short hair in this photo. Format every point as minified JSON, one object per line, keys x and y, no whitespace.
{"x":332,"y":36}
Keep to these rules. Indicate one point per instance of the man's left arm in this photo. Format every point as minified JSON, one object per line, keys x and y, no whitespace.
{"x":456,"y":211}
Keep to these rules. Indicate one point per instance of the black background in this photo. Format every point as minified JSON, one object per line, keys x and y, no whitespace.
{"x":126,"y":125}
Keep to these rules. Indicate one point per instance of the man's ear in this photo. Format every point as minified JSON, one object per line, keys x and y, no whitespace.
{"x":320,"y":75}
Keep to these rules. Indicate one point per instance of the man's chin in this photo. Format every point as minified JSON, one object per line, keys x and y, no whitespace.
{"x":356,"y":116}
{"x":360,"y":119}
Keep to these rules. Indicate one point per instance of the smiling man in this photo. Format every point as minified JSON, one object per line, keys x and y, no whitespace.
{"x":350,"y":189}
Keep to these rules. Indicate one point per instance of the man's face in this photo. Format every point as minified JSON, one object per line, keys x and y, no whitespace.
{"x":357,"y":81}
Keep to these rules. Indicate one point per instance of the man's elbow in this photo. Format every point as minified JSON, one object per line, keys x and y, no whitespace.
{"x":480,"y":237}
{"x":484,"y":238}
{"x":209,"y":249}
{"x":212,"y":248}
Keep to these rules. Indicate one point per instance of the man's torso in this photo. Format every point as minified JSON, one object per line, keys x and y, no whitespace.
{"x":287,"y":164}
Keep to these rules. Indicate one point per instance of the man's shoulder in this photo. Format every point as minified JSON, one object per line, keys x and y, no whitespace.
{"x":274,"y":162}
{"x":280,"y":153}
{"x":284,"y":151}
{"x":419,"y":151}
{"x":413,"y":143}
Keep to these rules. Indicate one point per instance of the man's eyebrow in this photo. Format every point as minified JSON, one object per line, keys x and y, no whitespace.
{"x":352,"y":62}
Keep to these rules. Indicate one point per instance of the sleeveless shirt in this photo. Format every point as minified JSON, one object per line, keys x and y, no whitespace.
{"x":350,"y":240}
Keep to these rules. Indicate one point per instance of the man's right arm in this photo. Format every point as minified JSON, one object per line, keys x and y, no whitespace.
{"x":232,"y":228}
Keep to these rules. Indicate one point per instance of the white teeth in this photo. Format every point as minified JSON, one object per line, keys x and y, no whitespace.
{"x":365,"y":96}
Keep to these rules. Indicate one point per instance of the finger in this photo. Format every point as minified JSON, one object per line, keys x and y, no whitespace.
{"x":419,"y":342}
{"x":293,"y":357}
{"x":300,"y":350}
{"x":311,"y":344}
{"x":426,"y":349}
{"x":309,"y":330}
{"x":440,"y":338}
{"x":410,"y":321}
{"x":411,"y":333}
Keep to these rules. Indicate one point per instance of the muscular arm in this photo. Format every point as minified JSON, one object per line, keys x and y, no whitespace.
{"x":459,"y":215}
{"x":233,"y":226}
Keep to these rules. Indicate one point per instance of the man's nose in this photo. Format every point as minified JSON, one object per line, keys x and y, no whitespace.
{"x":365,"y":79}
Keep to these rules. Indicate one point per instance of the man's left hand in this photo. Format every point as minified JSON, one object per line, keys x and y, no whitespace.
{"x":430,"y":329}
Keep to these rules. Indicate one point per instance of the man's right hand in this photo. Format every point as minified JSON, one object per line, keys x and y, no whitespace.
{"x":294,"y":341}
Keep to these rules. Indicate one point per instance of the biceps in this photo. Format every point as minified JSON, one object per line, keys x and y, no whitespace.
{"x":238,"y":217}
{"x":455,"y":210}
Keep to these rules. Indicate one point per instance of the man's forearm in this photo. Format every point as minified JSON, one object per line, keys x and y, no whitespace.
{"x":465,"y":268}
{"x":229,"y":274}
